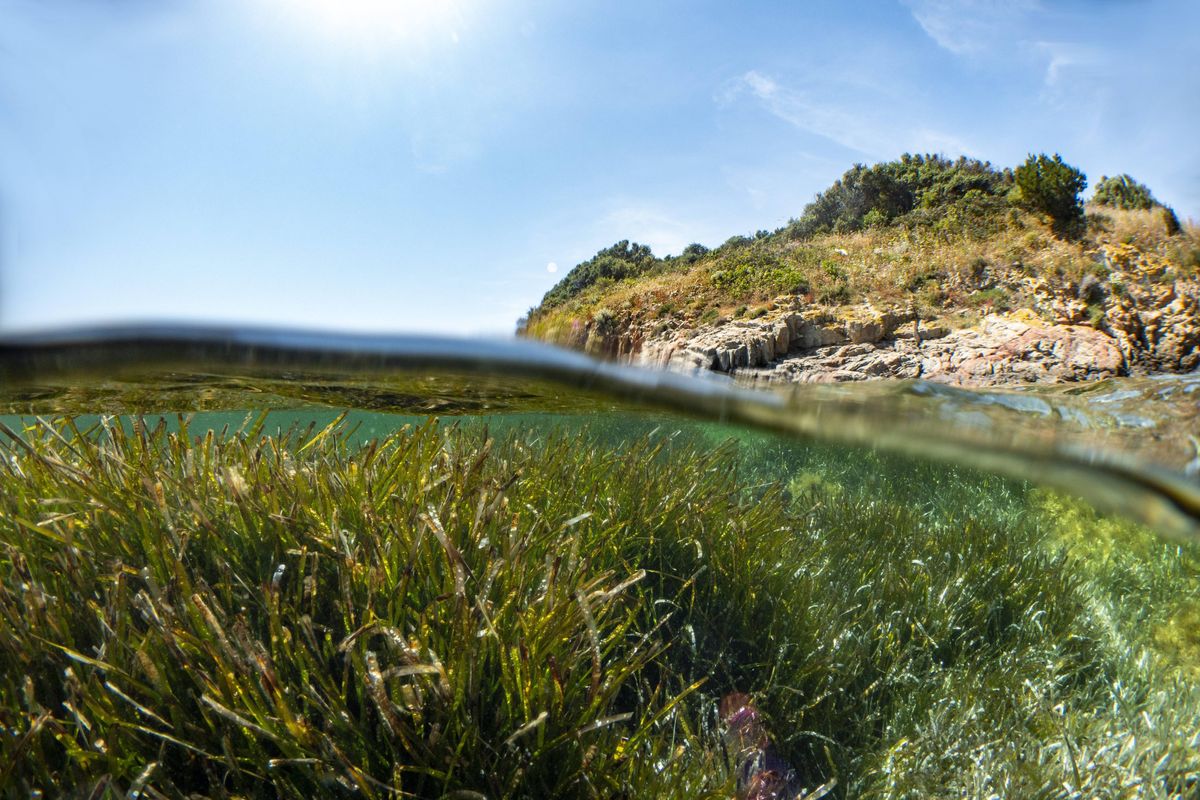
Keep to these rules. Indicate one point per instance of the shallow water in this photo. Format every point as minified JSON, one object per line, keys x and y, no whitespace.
{"x":894,"y":589}
{"x":1128,"y":445}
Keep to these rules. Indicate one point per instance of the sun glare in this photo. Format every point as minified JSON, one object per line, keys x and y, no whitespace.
{"x":377,"y":22}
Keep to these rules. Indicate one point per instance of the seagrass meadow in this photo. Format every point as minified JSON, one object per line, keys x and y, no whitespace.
{"x":556,"y":606}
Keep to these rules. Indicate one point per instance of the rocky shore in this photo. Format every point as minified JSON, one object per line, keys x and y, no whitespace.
{"x":1004,"y":349}
{"x":1131,"y":323}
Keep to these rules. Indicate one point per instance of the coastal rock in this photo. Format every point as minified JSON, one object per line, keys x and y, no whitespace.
{"x":1010,"y":350}
{"x":1147,"y":305}
{"x":1165,"y":337}
{"x":741,"y":344}
{"x":1005,"y":349}
{"x":1139,"y":318}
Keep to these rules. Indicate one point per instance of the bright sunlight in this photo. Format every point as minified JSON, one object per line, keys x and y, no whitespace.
{"x":377,"y":23}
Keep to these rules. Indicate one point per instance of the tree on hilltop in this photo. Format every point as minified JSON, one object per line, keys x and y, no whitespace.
{"x":1050,"y":186}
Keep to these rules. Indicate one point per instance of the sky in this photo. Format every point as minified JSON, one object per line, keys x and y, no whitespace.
{"x":416,"y":165}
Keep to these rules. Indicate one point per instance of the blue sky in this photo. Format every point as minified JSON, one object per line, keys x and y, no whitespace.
{"x":401,"y":165}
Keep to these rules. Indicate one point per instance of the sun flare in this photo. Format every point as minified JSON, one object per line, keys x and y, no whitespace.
{"x":378,"y":22}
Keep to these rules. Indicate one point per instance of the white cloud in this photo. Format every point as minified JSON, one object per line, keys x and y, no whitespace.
{"x":876,"y":132}
{"x":763,"y":87}
{"x":803,"y":110}
{"x":969,"y":27}
{"x":1065,"y":60}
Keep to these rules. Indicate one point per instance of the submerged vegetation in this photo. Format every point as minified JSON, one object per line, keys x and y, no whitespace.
{"x":445,"y":612}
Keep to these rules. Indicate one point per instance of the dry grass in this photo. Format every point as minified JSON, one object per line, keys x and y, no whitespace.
{"x":892,"y":268}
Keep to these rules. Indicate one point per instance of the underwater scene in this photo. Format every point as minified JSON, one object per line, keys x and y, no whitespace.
{"x":269,"y":564}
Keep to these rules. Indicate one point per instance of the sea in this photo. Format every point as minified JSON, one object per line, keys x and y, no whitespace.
{"x":1116,"y":456}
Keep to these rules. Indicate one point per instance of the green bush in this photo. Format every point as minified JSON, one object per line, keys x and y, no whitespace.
{"x":757,"y":272}
{"x":834,"y":270}
{"x":836,"y":294}
{"x":875,"y":218}
{"x":996,"y":297}
{"x":1050,"y":186}
{"x":622,"y":260}
{"x":693,"y":253}
{"x":1122,"y":191}
{"x":916,"y":188}
{"x":604,"y":321}
{"x":924,"y":277}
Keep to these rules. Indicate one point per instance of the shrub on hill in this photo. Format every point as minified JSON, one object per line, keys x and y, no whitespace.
{"x":622,"y":260}
{"x":1122,"y":191}
{"x":915,"y":188}
{"x":757,"y":273}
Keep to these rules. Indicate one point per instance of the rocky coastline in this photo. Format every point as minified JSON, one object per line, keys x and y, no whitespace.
{"x":1130,"y":324}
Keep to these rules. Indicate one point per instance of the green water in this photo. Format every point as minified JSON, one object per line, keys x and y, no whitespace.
{"x":429,"y":583}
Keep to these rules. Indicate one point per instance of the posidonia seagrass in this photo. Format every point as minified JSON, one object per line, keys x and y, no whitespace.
{"x":443,"y":613}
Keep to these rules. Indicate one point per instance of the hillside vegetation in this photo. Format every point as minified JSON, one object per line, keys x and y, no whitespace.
{"x":952,"y":239}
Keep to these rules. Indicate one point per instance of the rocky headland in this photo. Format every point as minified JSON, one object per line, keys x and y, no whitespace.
{"x":1002,"y":298}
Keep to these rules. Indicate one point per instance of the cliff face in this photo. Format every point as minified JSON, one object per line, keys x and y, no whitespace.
{"x":1139,"y":319}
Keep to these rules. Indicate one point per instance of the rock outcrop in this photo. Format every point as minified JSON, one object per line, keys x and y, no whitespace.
{"x":815,"y":348}
{"x":1161,"y":337}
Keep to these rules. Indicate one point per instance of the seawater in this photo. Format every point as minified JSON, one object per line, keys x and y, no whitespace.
{"x":1127,"y":445}
{"x":1097,"y":485}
